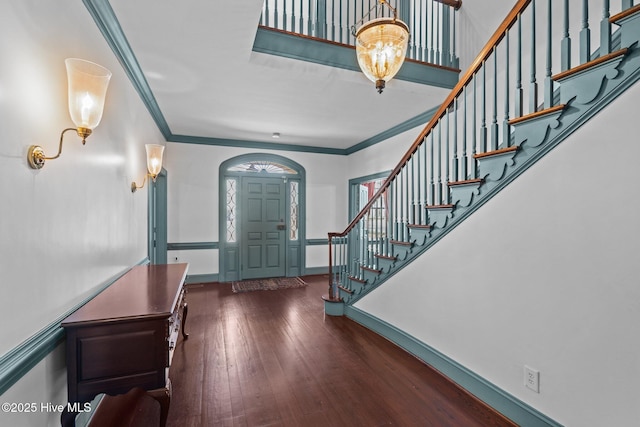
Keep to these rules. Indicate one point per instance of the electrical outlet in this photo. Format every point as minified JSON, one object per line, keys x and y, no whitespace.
{"x":532,"y":379}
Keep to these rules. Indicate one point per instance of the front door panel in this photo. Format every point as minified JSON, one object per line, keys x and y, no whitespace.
{"x":262,"y":232}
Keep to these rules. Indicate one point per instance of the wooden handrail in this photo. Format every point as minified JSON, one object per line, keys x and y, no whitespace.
{"x":486,"y":51}
{"x":456,"y":4}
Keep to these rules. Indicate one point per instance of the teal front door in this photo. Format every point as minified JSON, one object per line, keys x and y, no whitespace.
{"x":262,"y":227}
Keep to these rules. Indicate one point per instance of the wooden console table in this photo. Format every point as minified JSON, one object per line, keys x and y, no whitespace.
{"x":125,"y":336}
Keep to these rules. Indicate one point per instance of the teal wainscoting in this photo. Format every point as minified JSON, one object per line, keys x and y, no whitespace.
{"x":201,"y":278}
{"x":317,"y":242}
{"x":194,"y":246}
{"x":311,"y":271}
{"x":213,"y":277}
{"x":21,"y":359}
{"x":190,"y":246}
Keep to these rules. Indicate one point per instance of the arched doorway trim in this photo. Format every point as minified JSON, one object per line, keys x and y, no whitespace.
{"x":232,"y":173}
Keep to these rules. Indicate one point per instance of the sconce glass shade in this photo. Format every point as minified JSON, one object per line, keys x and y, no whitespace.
{"x":381,"y":46}
{"x":154,"y":159}
{"x":87,"y":90}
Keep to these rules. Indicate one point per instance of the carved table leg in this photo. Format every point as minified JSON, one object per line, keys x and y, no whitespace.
{"x":185,"y":311}
{"x":67,"y":418}
{"x":163,"y":396}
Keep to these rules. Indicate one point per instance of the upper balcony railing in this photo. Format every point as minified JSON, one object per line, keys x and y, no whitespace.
{"x":432,"y":23}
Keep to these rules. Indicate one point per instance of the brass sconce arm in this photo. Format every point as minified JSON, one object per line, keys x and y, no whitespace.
{"x":36,"y":156}
{"x":154,"y":164}
{"x":135,"y":186}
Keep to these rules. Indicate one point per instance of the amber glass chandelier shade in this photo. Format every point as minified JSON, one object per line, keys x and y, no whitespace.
{"x":154,"y":158}
{"x":88,"y":84}
{"x":381,"y":46}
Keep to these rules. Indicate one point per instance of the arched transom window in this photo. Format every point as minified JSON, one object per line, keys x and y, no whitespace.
{"x":261,"y":166}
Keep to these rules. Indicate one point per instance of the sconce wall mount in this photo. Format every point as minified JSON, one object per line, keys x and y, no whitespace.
{"x":36,"y":156}
{"x":87,"y":90}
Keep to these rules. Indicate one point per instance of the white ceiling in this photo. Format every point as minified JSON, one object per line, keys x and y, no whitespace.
{"x":197,"y":58}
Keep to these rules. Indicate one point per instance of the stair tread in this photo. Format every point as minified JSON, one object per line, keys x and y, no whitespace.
{"x":496,"y":152}
{"x":536,"y":114}
{"x":349,"y":291}
{"x":587,"y":65}
{"x":356,"y":279}
{"x":326,"y":297}
{"x":439,"y":207}
{"x":465,"y":182}
{"x":375,"y":270}
{"x":631,"y":11}
{"x":389,"y":257}
{"x":400,"y":242}
{"x":418,"y":226}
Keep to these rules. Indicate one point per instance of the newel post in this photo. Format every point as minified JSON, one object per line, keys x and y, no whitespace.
{"x":333,"y":304}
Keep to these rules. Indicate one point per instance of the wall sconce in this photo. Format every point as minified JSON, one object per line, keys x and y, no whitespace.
{"x":154,"y":164}
{"x":87,"y":90}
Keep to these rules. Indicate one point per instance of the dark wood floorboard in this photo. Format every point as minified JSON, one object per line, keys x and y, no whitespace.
{"x":271,"y":358}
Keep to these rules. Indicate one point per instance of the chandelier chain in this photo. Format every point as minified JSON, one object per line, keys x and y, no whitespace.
{"x":376,"y":6}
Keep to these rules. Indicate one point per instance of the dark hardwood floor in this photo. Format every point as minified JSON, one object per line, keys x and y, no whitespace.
{"x":271,"y":358}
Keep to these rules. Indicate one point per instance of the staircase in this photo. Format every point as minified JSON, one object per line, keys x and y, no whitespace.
{"x":495,"y":124}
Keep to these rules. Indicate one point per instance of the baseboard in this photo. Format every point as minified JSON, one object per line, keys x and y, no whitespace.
{"x":498,"y":399}
{"x":22,"y":358}
{"x":201,"y":278}
{"x":214,"y":277}
{"x":311,"y":271}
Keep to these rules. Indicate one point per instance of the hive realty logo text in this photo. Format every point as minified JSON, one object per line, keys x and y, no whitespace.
{"x":25,"y":407}
{"x":70,"y":407}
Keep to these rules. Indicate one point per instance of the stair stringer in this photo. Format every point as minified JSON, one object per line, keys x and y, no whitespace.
{"x":572,"y":116}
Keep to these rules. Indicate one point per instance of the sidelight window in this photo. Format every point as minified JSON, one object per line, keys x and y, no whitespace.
{"x":231,"y":209}
{"x":293,"y":210}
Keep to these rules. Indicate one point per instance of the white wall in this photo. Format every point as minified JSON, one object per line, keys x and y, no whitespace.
{"x":73,"y":225}
{"x":381,"y":157}
{"x":545,"y":274}
{"x":475,"y":26}
{"x":192,"y":172}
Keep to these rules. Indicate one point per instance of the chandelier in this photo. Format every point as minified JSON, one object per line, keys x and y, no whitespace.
{"x":381,"y":46}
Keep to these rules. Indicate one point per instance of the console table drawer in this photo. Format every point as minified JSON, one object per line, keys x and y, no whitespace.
{"x":117,"y":356}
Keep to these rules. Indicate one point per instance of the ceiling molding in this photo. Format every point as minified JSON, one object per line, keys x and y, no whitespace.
{"x":254,"y":144}
{"x":418,"y":120}
{"x":107,"y":22}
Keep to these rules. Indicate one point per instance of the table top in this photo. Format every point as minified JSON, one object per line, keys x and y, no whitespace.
{"x":145,"y":291}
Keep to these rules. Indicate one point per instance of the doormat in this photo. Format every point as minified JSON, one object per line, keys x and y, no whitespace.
{"x":271,"y":284}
